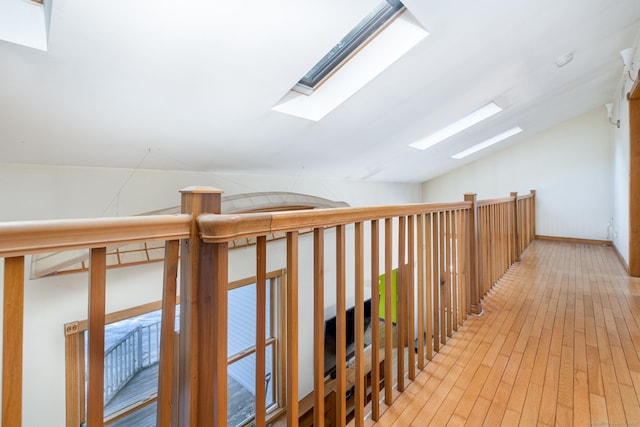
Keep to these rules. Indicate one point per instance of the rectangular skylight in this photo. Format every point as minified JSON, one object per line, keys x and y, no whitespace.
{"x":458,"y":126}
{"x":25,"y":22}
{"x":487,"y":143}
{"x":367,"y":28}
{"x":391,"y":41}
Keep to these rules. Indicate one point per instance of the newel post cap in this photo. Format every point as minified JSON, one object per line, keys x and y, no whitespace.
{"x":197,"y":189}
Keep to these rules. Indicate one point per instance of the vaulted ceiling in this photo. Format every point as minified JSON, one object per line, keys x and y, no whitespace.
{"x":190,"y":84}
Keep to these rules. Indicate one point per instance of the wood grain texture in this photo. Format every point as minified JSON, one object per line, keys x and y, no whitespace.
{"x":388,"y":291}
{"x":318,"y":326}
{"x":411,"y":288}
{"x":198,"y":273}
{"x":359,"y":324}
{"x":401,"y":304}
{"x":375,"y":326}
{"x":557,"y":345}
{"x":341,"y":326}
{"x":72,"y":376}
{"x":472,"y":256}
{"x":292,"y":329}
{"x":13,"y":325}
{"x":97,"y":299}
{"x":30,"y":237}
{"x":224,"y":228}
{"x":261,"y":329}
{"x":166,"y":405}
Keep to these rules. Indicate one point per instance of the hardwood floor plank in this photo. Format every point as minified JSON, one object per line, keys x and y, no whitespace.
{"x":558,"y":345}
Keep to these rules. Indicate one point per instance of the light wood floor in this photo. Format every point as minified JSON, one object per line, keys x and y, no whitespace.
{"x":558,"y":344}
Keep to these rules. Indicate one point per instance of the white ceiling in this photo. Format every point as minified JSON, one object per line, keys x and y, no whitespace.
{"x":189,"y":84}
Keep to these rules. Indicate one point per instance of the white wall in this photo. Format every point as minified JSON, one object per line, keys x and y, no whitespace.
{"x":51,"y":192}
{"x":42,"y":192}
{"x":620,"y":153}
{"x":569,"y":166}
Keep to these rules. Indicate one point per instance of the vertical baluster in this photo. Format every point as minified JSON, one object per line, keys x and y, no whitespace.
{"x":359,"y":324}
{"x":455,"y":277}
{"x":522,"y":222}
{"x":72,"y":370}
{"x":341,"y":326}
{"x":494,"y":246}
{"x":82,"y":378}
{"x":429,"y":284}
{"x":292,"y":329}
{"x":375,"y":321}
{"x":516,"y":228}
{"x":12,"y":338}
{"x":212,"y":330}
{"x":97,"y":285}
{"x":401,"y":315}
{"x":533,"y":215}
{"x":505,"y":241}
{"x":421,"y":309}
{"x":472,"y":237}
{"x":388,"y":319}
{"x":497,"y":232}
{"x":443,"y":279}
{"x":410,"y":292}
{"x":448,"y":273}
{"x":261,"y":319}
{"x":462,"y":266}
{"x":318,"y":326}
{"x":488,"y":250}
{"x":435,"y":237}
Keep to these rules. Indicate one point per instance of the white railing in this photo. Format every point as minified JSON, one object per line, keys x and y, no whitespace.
{"x":135,"y":351}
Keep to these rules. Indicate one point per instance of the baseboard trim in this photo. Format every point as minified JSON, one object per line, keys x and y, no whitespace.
{"x":621,"y":258}
{"x":576,"y":240}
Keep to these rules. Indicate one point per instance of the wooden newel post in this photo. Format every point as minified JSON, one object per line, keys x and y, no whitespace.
{"x":472,"y":237}
{"x":516,"y":228}
{"x":203,"y":318}
{"x":533,"y":215}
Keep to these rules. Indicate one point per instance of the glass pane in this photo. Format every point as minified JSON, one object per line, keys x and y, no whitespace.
{"x":241,"y":383}
{"x":131,"y":360}
{"x":132,"y":353}
{"x":242,"y":317}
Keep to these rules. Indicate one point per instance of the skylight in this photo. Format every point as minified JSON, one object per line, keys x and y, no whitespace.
{"x":489,"y":142}
{"x":25,"y":22}
{"x":458,"y":126}
{"x":383,"y":37}
{"x":368,"y":27}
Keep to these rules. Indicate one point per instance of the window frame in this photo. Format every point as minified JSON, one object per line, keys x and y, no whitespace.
{"x":371,"y":25}
{"x":75,"y":372}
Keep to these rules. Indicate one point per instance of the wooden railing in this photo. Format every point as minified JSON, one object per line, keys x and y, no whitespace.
{"x":526,"y":220}
{"x":444,"y":255}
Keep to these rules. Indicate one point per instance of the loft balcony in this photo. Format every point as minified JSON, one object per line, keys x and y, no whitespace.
{"x":476,"y":323}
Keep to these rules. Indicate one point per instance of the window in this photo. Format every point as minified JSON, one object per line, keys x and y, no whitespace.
{"x":368,"y":27}
{"x":132,"y":342}
{"x":379,"y":40}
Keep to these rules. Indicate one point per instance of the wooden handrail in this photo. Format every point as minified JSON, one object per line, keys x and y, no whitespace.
{"x":527,"y":196}
{"x":30,"y":237}
{"x":224,"y":228}
{"x":489,"y":202}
